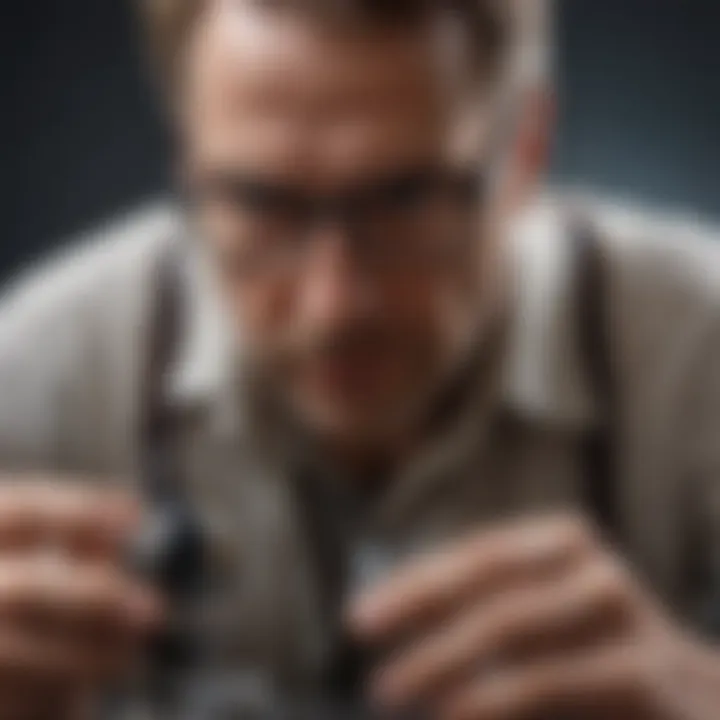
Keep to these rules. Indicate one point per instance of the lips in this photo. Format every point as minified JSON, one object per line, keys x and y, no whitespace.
{"x":355,"y":375}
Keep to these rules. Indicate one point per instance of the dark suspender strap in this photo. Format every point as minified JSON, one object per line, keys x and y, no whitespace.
{"x":171,"y":552}
{"x":601,"y":478}
{"x":593,"y":331}
{"x":157,"y":427}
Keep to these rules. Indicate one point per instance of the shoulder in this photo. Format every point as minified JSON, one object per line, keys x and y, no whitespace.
{"x":69,"y":334}
{"x":88,"y":276}
{"x":664,"y":290}
{"x":663,"y":301}
{"x":661,"y":279}
{"x":670,"y":258}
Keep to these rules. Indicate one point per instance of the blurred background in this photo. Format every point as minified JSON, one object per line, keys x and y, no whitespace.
{"x":638,"y":87}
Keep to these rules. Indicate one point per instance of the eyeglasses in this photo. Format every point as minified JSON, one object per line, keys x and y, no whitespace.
{"x":418,"y":218}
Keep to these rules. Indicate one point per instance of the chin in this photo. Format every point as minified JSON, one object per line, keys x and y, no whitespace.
{"x":355,"y":426}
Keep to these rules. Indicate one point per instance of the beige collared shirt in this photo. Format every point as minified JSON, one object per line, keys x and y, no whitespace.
{"x":72,"y":343}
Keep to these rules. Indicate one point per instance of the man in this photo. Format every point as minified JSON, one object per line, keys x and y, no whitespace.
{"x":382,"y":330}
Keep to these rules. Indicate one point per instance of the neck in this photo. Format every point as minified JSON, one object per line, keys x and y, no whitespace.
{"x":473,"y":381}
{"x":366,"y":462}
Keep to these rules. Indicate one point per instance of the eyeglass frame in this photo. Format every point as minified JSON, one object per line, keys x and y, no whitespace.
{"x":345,"y":211}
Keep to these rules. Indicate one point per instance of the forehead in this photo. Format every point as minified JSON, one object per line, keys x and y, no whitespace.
{"x":291,"y":95}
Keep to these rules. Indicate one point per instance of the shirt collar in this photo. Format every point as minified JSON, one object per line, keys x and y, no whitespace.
{"x":204,"y":370}
{"x":545,"y":377}
{"x":542,"y":378}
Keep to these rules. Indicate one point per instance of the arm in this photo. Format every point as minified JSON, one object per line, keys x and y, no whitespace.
{"x":86,"y":613}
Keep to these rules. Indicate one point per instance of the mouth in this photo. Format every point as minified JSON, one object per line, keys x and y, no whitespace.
{"x":359,"y":374}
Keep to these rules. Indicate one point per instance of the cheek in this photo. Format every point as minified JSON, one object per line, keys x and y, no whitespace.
{"x":431,"y":306}
{"x":265,"y":309}
{"x":438,"y":307}
{"x":261,"y":307}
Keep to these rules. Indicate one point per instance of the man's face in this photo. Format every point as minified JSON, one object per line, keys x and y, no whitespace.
{"x":333,"y":175}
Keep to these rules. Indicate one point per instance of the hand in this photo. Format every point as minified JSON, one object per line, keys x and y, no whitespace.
{"x":69,"y":616}
{"x":534,"y":620}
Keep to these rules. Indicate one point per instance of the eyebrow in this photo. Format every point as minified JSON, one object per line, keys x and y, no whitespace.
{"x":368,"y":181}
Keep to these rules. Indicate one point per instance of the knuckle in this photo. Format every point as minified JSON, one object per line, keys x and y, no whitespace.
{"x":15,"y":587}
{"x":610,"y":588}
{"x":576,"y":533}
{"x":105,"y":591}
{"x":505,"y":626}
{"x":493,"y":632}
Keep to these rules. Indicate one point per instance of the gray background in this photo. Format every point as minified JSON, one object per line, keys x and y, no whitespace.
{"x":639,"y":92}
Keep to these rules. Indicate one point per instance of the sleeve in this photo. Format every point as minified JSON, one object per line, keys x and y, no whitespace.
{"x":42,"y":323}
{"x":666,"y":315}
{"x":68,"y":340}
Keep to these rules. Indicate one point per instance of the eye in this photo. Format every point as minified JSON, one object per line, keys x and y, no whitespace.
{"x":266,"y":200}
{"x":469,"y":187}
{"x":408,"y":193}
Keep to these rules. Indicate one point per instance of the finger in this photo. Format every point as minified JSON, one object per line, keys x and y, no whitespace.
{"x":31,"y":698}
{"x":593,"y":605}
{"x":434,"y":585}
{"x":59,"y":592}
{"x":46,"y":662}
{"x":609,"y":681}
{"x":76,"y":517}
{"x":106,"y":649}
{"x":30,"y":704}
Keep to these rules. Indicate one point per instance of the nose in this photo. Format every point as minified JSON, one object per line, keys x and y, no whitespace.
{"x":335,"y":286}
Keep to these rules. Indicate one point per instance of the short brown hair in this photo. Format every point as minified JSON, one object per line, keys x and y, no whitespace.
{"x":489,"y":22}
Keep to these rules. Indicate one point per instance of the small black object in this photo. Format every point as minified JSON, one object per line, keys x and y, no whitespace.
{"x":170,"y":552}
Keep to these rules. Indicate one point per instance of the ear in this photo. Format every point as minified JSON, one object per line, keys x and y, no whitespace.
{"x":532,"y":147}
